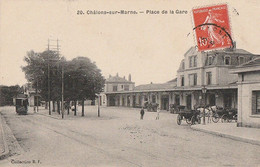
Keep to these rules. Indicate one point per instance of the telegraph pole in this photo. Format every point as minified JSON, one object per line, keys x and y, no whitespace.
{"x":62,"y":92}
{"x":62,"y":83}
{"x":37,"y":102}
{"x":56,"y":49}
{"x":49,"y":92}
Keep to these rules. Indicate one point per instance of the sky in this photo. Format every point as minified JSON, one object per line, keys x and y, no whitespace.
{"x":150,"y":47}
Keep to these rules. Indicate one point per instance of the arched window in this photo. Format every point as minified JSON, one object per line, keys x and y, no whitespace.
{"x":227,"y":60}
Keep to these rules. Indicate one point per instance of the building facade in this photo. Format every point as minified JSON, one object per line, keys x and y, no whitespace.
{"x":197,"y":71}
{"x":248,"y":93}
{"x":115,"y":84}
{"x":210,"y":70}
{"x":31,"y":94}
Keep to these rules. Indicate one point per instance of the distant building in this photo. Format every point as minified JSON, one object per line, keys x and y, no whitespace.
{"x":31,"y":93}
{"x":115,"y":84}
{"x":137,"y":96}
{"x":248,"y":93}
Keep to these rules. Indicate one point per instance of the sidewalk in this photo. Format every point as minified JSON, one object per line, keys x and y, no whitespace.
{"x":230,"y":130}
{"x":3,"y":145}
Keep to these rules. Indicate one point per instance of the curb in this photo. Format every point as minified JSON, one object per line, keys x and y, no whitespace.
{"x":227,"y":136}
{"x":6,"y":149}
{"x":12,"y":141}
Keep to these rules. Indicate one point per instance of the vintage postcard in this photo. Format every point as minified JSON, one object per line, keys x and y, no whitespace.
{"x":109,"y":83}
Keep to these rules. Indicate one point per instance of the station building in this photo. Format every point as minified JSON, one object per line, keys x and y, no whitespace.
{"x":198,"y":71}
{"x":248,"y":93}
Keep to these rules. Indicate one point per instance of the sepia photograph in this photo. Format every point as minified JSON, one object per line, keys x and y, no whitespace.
{"x":110,"y":83}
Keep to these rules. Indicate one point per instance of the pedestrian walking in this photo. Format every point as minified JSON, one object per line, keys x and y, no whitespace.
{"x":158,"y":113}
{"x":142,"y":113}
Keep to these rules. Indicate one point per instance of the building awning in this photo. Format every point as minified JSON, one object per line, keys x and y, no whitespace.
{"x":179,"y":89}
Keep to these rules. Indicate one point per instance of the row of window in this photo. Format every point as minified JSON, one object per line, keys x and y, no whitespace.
{"x":192,"y":62}
{"x":193,"y":79}
{"x":123,"y":87}
{"x":227,"y":61}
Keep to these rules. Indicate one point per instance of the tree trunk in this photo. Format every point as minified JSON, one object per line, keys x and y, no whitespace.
{"x":82,"y":107}
{"x":75,"y":108}
{"x":53,"y":105}
{"x":46,"y":105}
{"x":58,"y":106}
{"x":68,"y":108}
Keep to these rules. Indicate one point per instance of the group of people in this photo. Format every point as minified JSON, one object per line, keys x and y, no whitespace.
{"x":157,"y":116}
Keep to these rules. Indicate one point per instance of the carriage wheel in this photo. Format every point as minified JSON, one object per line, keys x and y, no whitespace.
{"x":179,"y":119}
{"x":224,"y":118}
{"x":198,"y":119}
{"x":229,"y":120}
{"x":188,"y":121}
{"x":235,"y":118}
{"x":192,"y":120}
{"x":215,"y":118}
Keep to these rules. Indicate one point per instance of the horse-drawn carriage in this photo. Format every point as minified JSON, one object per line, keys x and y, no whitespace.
{"x":191,"y":116}
{"x":229,"y":114}
{"x":213,"y":113}
{"x":151,"y":106}
{"x":225,"y":114}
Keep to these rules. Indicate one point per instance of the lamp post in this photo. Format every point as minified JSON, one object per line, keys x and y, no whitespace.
{"x":204,"y":91}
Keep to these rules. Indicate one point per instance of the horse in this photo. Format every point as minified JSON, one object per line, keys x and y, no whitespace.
{"x":211,"y":112}
{"x":151,"y":106}
{"x":208,"y":112}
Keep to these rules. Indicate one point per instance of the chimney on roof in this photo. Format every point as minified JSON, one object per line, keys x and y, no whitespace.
{"x":117,"y":74}
{"x":124,"y":77}
{"x":234,"y":45}
{"x":129,"y":77}
{"x":151,"y":82}
{"x":109,"y":76}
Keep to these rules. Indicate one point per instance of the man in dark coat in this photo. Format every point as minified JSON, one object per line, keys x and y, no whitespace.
{"x":142,"y":113}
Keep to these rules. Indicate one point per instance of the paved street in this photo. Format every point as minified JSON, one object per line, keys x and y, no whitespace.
{"x":118,"y":138}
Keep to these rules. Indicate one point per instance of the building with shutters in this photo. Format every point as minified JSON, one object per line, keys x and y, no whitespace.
{"x":115,"y":84}
{"x":210,"y":70}
{"x":198,"y":70}
{"x":248,"y":93}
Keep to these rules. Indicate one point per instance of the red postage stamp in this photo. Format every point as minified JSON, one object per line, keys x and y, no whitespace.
{"x":212,"y":27}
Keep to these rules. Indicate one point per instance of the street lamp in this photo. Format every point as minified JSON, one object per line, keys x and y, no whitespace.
{"x":204,"y":91}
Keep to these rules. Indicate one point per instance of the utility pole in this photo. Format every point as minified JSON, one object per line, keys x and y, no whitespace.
{"x":37,"y":102}
{"x":62,"y":83}
{"x":49,"y":91}
{"x":50,"y":47}
{"x":62,"y":92}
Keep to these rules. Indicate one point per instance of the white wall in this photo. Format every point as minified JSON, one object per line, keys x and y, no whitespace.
{"x":245,"y":116}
